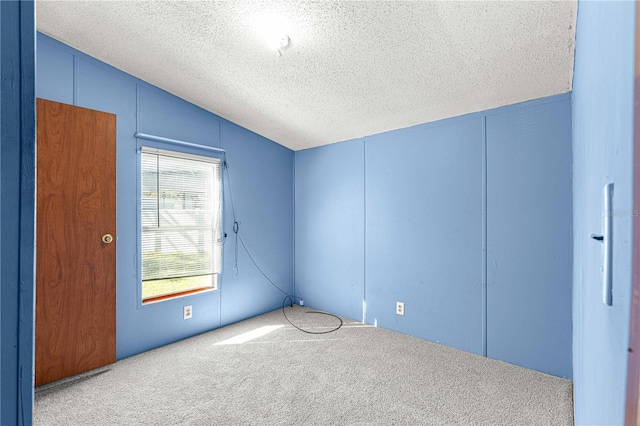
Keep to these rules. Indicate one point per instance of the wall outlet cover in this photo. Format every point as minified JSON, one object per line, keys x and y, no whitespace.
{"x":187,"y":312}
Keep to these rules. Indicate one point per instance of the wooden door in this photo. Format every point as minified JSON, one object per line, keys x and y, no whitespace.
{"x":75,"y":267}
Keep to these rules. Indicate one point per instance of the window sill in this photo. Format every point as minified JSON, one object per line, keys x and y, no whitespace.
{"x":156,"y":299}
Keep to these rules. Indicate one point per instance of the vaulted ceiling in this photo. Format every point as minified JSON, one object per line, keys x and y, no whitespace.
{"x":350,"y":69}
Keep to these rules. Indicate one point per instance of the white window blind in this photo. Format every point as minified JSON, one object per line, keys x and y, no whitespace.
{"x":181,"y":222}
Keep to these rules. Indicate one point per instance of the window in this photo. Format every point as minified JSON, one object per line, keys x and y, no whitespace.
{"x":181,"y":224}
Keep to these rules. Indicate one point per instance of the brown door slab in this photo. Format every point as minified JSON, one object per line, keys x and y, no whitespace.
{"x":75,"y":265}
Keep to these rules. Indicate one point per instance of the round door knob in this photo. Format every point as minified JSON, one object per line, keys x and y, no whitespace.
{"x":107,"y":238}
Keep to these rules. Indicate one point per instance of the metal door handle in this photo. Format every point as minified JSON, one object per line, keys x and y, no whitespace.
{"x":607,"y":247}
{"x":607,"y":233}
{"x":107,"y":238}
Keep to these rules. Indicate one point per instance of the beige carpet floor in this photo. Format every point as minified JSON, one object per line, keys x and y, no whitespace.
{"x":358,"y":375}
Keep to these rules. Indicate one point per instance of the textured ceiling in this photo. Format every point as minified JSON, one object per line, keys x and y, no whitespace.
{"x":352,"y":68}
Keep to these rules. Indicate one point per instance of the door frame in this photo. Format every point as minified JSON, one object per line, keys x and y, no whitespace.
{"x":633,"y":367}
{"x":18,"y":191}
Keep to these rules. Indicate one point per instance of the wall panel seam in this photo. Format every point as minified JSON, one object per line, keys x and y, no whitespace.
{"x":76,"y":66}
{"x":364,"y":233}
{"x":484,"y":235}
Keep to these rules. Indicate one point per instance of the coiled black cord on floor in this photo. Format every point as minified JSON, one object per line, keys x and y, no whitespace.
{"x":284,"y":303}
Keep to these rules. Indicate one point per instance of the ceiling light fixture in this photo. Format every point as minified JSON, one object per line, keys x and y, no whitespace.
{"x":272,"y":29}
{"x":284,"y":43}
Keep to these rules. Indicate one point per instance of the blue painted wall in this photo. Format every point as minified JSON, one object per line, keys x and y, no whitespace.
{"x":17,"y":201}
{"x":260,"y":171}
{"x":432,"y":216}
{"x":262,"y":183}
{"x":603,"y":152}
{"x":424,"y":231}
{"x":329,"y":232}
{"x":529,"y":257}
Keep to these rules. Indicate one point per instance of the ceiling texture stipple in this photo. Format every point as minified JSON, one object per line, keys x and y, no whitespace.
{"x":351,"y":69}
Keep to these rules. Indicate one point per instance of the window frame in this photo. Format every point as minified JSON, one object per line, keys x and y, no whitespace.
{"x":190,"y":154}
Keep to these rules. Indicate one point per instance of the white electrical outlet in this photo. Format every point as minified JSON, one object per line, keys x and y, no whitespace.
{"x":187,"y":312}
{"x":400,"y":308}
